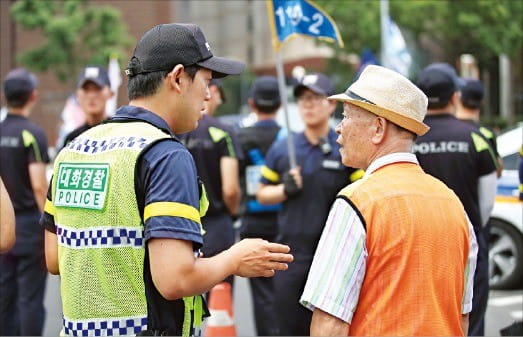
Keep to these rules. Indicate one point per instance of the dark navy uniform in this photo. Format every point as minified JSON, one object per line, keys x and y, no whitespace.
{"x":259,"y":221}
{"x":455,"y":152}
{"x":302,"y":218}
{"x":22,"y":270}
{"x":211,"y":141}
{"x":165,"y":172}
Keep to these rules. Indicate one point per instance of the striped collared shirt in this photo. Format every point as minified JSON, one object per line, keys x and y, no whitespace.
{"x":339,"y":264}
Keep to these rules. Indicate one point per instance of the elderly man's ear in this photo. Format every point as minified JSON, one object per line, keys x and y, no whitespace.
{"x":381,"y":126}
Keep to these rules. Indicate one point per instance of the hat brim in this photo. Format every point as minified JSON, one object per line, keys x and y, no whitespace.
{"x":315,"y":89}
{"x":222,"y":67}
{"x":410,"y":124}
{"x":96,"y":81}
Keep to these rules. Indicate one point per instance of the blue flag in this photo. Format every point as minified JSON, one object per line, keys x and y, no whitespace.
{"x":293,"y":17}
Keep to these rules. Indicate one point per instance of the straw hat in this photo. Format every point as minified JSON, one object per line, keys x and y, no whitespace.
{"x":389,"y":95}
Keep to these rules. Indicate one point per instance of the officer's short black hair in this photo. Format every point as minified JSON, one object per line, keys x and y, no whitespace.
{"x":264,"y":109}
{"x":147,"y":84}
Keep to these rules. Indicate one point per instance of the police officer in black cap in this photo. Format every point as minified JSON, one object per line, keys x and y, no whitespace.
{"x":23,"y":153}
{"x":260,"y":221}
{"x":456,"y":153}
{"x":93,"y":91}
{"x":306,"y":193}
{"x":129,"y":259}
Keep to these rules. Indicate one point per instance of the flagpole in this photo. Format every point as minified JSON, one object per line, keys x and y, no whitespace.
{"x":283,"y":95}
{"x":384,"y":17}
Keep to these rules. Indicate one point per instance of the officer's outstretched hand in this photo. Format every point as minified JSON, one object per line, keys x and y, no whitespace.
{"x":292,"y":182}
{"x":257,"y":257}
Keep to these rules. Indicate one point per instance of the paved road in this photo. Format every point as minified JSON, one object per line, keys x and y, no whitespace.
{"x":504,"y":308}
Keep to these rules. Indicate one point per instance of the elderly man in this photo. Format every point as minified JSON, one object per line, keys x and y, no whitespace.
{"x":397,"y":254}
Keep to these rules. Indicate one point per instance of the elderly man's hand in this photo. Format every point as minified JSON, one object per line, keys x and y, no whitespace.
{"x":257,"y":257}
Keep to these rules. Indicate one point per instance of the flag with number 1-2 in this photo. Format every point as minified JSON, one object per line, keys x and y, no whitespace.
{"x":300,"y":17}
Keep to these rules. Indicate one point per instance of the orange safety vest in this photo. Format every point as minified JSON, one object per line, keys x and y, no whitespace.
{"x":418,"y":243}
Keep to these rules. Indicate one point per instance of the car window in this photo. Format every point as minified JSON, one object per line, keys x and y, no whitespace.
{"x":511,"y":161}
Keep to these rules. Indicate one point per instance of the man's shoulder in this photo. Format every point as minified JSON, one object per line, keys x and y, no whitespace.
{"x":216,"y":123}
{"x":35,"y":131}
{"x":75,"y":133}
{"x":167,"y":148}
{"x":280,"y":145}
{"x":24,"y":124}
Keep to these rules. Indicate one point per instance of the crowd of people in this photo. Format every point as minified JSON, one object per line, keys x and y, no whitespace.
{"x":379,"y":229}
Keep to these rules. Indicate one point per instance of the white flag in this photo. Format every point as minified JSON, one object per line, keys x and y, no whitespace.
{"x":116,"y":80}
{"x":397,"y":56}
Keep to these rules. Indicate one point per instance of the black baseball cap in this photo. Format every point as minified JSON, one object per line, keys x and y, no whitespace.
{"x":19,"y":82}
{"x":96,"y":74}
{"x":439,"y":82}
{"x":265,"y":92}
{"x":472,"y":93}
{"x":317,"y":82}
{"x":166,"y":45}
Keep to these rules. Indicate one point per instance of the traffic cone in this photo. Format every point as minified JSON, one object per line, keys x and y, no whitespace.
{"x":221,"y":322}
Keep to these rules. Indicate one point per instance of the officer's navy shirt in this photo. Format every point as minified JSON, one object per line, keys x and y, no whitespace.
{"x":456,"y":153}
{"x":207,"y":153}
{"x":165,"y":173}
{"x":301,"y":220}
{"x":21,"y":143}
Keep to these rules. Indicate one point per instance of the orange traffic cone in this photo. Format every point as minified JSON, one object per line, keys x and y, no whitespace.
{"x":221,"y":322}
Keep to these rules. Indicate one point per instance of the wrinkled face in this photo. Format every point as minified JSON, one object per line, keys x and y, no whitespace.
{"x":195,"y":96}
{"x":92,"y":98}
{"x":315,"y":109}
{"x":354,"y":136}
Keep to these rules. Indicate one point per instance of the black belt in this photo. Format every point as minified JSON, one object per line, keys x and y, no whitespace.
{"x":157,"y":332}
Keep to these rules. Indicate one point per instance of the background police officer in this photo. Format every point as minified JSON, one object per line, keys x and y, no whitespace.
{"x":472,"y":92}
{"x":257,"y":220}
{"x":93,"y":90}
{"x":23,"y":152}
{"x":306,"y":192}
{"x":468,"y":167}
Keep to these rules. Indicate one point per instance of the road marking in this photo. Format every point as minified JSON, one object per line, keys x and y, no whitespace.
{"x":504,"y":301}
{"x":518,"y":315}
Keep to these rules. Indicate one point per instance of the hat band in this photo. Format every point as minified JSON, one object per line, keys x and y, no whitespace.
{"x":357,"y":97}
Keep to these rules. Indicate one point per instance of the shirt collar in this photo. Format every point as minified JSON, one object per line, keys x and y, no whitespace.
{"x":133,"y":112}
{"x":398,"y":157}
{"x":266,"y":123}
{"x":10,"y":115}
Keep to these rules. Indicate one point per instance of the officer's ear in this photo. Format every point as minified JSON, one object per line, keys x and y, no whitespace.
{"x":175,"y":77}
{"x":250,"y":101}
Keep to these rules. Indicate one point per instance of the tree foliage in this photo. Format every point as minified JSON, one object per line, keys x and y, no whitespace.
{"x":484,"y":28}
{"x":75,"y":34}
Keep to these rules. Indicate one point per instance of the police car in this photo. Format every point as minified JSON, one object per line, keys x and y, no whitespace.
{"x":506,"y":221}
